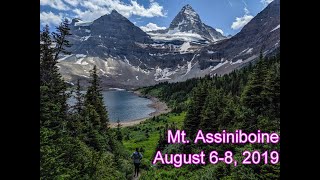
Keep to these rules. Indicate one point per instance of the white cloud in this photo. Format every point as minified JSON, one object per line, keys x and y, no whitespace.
{"x":73,"y":3}
{"x":50,"y":18}
{"x":266,"y":2}
{"x":91,"y":6}
{"x":242,"y":21}
{"x":154,"y":10}
{"x":90,"y":15}
{"x":219,"y":30}
{"x":90,"y":10}
{"x":151,"y":27}
{"x":56,"y":4}
{"x":93,"y":9}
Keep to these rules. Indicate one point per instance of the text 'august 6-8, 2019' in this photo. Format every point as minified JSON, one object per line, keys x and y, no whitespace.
{"x":237,"y":137}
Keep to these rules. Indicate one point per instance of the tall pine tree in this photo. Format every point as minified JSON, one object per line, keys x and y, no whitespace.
{"x":60,"y":39}
{"x":118,"y":132}
{"x":251,"y":96}
{"x":53,"y":96}
{"x":212,"y":111}
{"x":53,"y":111}
{"x":79,"y":96}
{"x":94,"y":98}
{"x":192,"y":119}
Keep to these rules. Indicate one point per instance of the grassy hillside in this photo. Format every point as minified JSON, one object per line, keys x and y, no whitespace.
{"x":146,"y":135}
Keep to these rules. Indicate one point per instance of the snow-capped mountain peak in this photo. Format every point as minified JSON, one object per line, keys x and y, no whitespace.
{"x":187,"y":26}
{"x":190,"y":14}
{"x":185,"y":20}
{"x":128,"y":57}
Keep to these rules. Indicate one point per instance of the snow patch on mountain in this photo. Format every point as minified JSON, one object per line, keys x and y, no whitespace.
{"x":246,"y":51}
{"x":84,"y":76}
{"x":189,"y":65}
{"x":163,"y":74}
{"x":81,"y":55}
{"x":127,"y":61}
{"x":182,"y":36}
{"x":249,"y":51}
{"x":64,"y":58}
{"x":219,"y":65}
{"x":189,"y":12}
{"x":185,"y":46}
{"x":84,"y":38}
{"x":237,"y":62}
{"x":275,"y":28}
{"x":82,"y":23}
{"x":84,"y":63}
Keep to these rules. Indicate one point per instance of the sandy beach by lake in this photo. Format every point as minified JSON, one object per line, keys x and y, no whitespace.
{"x":160,"y":107}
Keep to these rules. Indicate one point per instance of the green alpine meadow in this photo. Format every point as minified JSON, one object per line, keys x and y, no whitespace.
{"x":111,"y":90}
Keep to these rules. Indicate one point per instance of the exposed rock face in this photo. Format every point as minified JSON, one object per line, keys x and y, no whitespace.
{"x":188,"y":26}
{"x":127,"y":57}
{"x":261,"y":34}
{"x":110,"y":35}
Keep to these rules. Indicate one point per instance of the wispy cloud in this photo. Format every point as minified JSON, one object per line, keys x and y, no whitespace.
{"x":245,"y":4}
{"x":242,"y":21}
{"x":246,"y":11}
{"x":230,"y":3}
{"x":151,"y":27}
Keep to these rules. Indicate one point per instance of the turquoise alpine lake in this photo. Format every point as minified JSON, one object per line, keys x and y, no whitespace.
{"x":124,"y":105}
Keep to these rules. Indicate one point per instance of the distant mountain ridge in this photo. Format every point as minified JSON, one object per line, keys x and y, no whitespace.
{"x":261,"y":34}
{"x":127,"y":57}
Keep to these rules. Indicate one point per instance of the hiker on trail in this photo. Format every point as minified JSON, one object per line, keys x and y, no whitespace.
{"x":136,"y":156}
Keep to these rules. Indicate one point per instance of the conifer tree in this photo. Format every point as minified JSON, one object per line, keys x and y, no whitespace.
{"x":271,"y":93}
{"x":271,"y":98}
{"x":118,"y":132}
{"x":94,"y":98}
{"x":76,"y":120}
{"x":192,"y":120}
{"x":46,"y":55}
{"x":212,"y":111}
{"x":60,"y":38}
{"x":78,"y":107}
{"x":73,"y":144}
{"x":251,"y":96}
{"x":53,"y":112}
{"x":53,"y":101}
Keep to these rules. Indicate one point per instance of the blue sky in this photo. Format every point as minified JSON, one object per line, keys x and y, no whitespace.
{"x":227,"y":15}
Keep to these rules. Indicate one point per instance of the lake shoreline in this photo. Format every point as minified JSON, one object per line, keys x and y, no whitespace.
{"x":159,"y":106}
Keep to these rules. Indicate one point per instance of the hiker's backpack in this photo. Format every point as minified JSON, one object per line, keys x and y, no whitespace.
{"x":136,"y":157}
